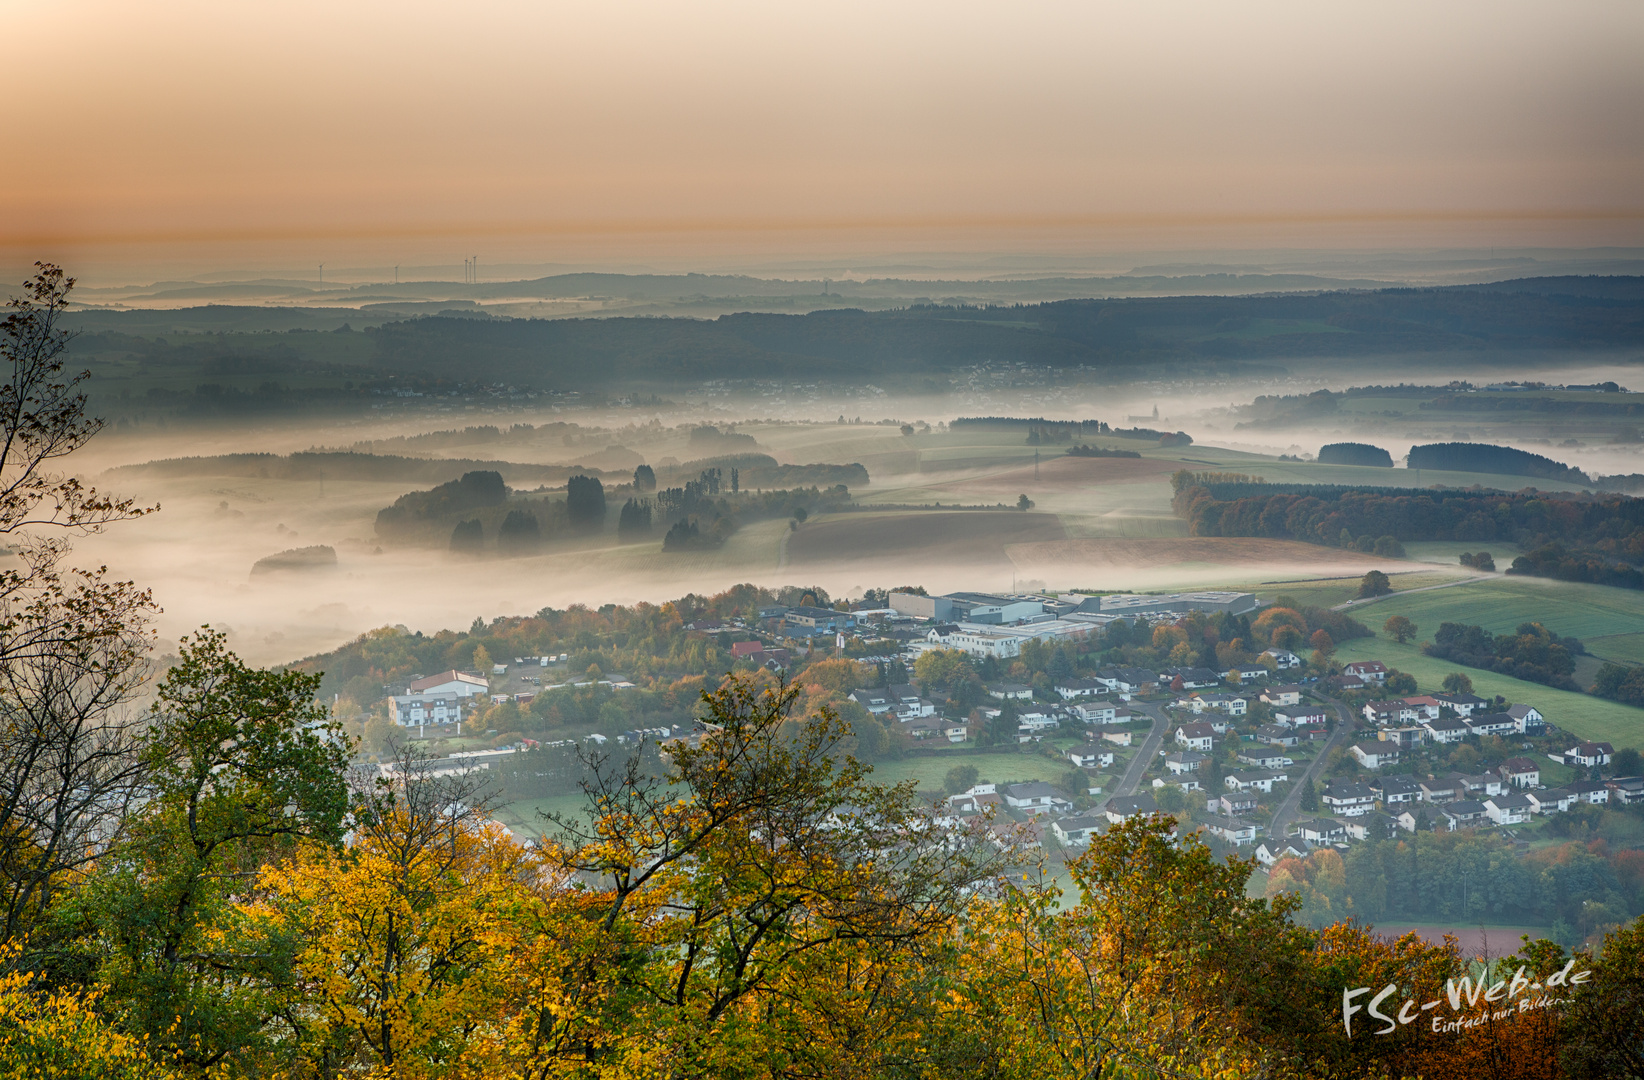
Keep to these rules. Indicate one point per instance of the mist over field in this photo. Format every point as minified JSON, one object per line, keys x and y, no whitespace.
{"x":1096,"y":523}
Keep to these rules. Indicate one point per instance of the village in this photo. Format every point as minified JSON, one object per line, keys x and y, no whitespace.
{"x":1270,"y":757}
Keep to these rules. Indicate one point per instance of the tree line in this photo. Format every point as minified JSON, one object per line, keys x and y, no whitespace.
{"x":1569,"y":536}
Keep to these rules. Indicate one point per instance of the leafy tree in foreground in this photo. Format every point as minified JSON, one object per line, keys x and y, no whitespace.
{"x":243,"y":766}
{"x":73,"y":643}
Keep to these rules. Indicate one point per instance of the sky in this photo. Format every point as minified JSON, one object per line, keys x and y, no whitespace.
{"x":192,"y":134}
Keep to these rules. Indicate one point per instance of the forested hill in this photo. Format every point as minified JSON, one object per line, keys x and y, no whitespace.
{"x":1204,"y":333}
{"x":1189,"y":331}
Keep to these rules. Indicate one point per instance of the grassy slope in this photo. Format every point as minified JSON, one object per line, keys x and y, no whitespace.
{"x":1589,"y":612}
{"x":1581,"y":714}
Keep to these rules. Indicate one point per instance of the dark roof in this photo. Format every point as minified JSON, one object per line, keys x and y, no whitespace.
{"x":1033,"y":789}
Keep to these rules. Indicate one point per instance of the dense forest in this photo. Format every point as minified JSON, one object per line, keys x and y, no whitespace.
{"x":1351,"y":453}
{"x":1483,"y":458}
{"x":1594,"y":538}
{"x":900,"y":346}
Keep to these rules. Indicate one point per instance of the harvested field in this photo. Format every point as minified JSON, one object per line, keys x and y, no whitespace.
{"x":918,"y":541}
{"x":1062,"y":475}
{"x":1186,"y":558}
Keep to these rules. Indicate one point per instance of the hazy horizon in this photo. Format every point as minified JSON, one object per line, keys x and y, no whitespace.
{"x":189,"y":138}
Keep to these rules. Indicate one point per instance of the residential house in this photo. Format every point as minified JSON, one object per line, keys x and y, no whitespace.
{"x":1627,"y":790}
{"x":1519,"y":773}
{"x":1198,"y":736}
{"x":1550,"y":800}
{"x":1230,"y":830}
{"x":1237,"y":803}
{"x":1090,"y":759}
{"x":1099,"y":712}
{"x":1486,"y":724}
{"x":1289,"y":694}
{"x":1035,"y":797}
{"x":1426,"y":708}
{"x":1010,"y":692}
{"x":1270,"y":852}
{"x":1192,"y":678}
{"x":1117,"y":738}
{"x":1466,"y":814}
{"x":1595,"y":792}
{"x":1184,"y":761}
{"x":1283,"y":659}
{"x":1529,"y":719}
{"x":1072,"y":689}
{"x":1374,"y":755}
{"x":1243,"y":673}
{"x":1477,"y":785}
{"x":1588,"y":754}
{"x":1461,"y":705}
{"x":1441,"y":791}
{"x":1126,"y":807}
{"x":926,"y":727}
{"x":1445,"y":732}
{"x":1321,"y":830}
{"x":978,"y":798}
{"x":1371,"y":671}
{"x":1077,"y":831}
{"x":413,"y":710}
{"x":1343,"y":683}
{"x":1263,"y":758}
{"x":1301,"y":716}
{"x":1412,"y":820}
{"x":877,"y":702}
{"x":1349,"y":800}
{"x":1036,"y":722}
{"x":1231,"y":704}
{"x":1128,"y":680}
{"x":1374,"y":825}
{"x":1274,"y":735}
{"x":1405,"y":738}
{"x":906,"y":702}
{"x":1511,"y":809}
{"x":1390,"y":712}
{"x":1397,"y":789}
{"x":1254,"y":779}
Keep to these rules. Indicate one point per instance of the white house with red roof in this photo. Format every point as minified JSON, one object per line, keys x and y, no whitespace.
{"x":1368,"y":670}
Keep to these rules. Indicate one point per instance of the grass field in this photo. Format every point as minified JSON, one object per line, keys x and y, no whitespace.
{"x":1589,"y":612}
{"x":930,"y":772}
{"x":1328,"y":592}
{"x":1580,"y":714}
{"x":522,"y":817}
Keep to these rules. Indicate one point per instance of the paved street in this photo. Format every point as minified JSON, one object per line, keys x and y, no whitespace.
{"x":1286,"y":813}
{"x":1150,"y":749}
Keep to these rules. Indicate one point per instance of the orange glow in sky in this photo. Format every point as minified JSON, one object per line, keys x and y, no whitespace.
{"x":333,"y":126}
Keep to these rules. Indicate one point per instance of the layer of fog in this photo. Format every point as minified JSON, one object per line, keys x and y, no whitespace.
{"x":196,"y":553}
